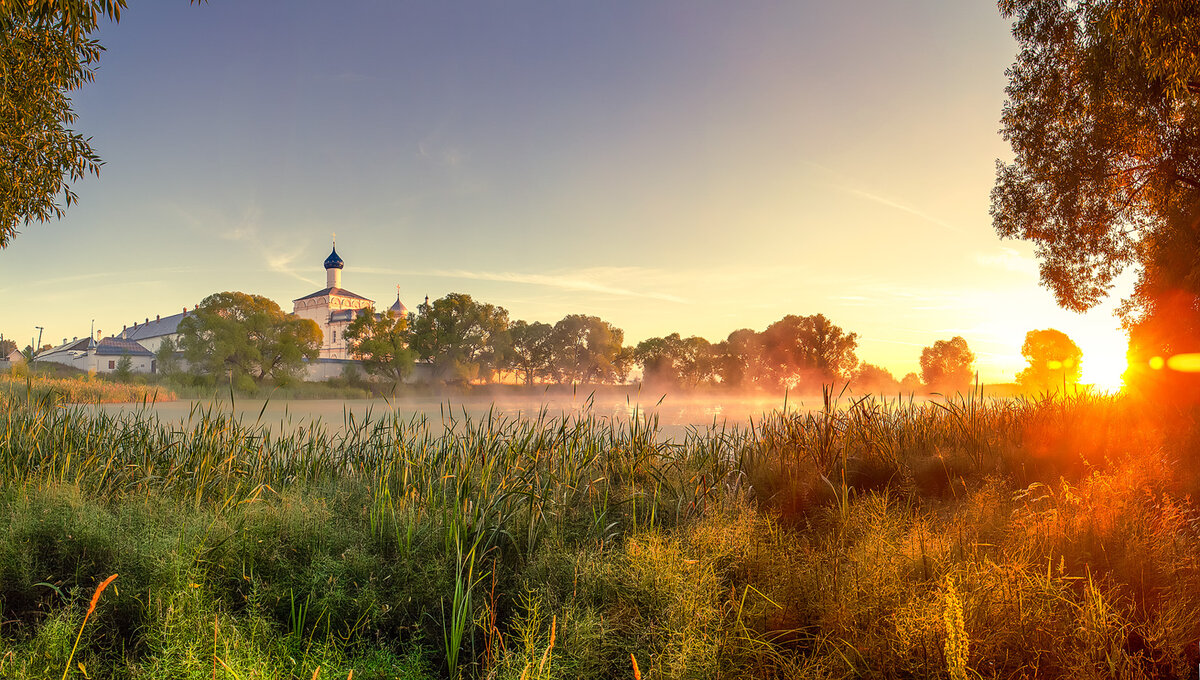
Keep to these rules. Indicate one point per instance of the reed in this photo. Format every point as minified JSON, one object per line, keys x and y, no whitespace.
{"x":804,"y":543}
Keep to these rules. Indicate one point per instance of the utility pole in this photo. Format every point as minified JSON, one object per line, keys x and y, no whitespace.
{"x":39,"y":343}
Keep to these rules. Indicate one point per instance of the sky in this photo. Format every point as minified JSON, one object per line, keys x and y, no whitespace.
{"x":668,"y":166}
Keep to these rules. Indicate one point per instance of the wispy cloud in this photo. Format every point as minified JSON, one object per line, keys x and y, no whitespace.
{"x":1008,"y":259}
{"x":882,"y":200}
{"x":277,"y":256}
{"x":599,"y":280}
{"x":851,"y":185}
{"x":117,"y":278}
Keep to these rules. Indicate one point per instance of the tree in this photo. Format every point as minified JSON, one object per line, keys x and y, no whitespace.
{"x":166,"y":358}
{"x":910,"y":383}
{"x":247,"y":336}
{"x":946,"y":366}
{"x":807,"y":351}
{"x":657,"y":357}
{"x":676,"y":362}
{"x":124,"y":371}
{"x":6,"y":346}
{"x":1104,"y":121}
{"x":586,"y":349}
{"x":530,"y":349}
{"x":45,"y":53}
{"x":1053,"y":360}
{"x":872,"y":378}
{"x":739,"y":359}
{"x":459,"y":337}
{"x":381,"y":342}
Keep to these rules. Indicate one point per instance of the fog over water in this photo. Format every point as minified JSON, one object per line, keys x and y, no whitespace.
{"x":676,"y":413}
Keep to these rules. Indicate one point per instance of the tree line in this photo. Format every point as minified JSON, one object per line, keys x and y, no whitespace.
{"x":247,"y":339}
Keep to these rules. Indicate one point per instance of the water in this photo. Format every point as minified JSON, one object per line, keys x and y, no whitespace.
{"x":676,"y":413}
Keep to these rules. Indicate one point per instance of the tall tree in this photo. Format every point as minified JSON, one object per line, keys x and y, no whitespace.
{"x":1054,"y":360}
{"x":676,"y":362}
{"x":460,"y":337}
{"x":872,"y":378}
{"x":946,"y":365}
{"x":1103,"y":115}
{"x":657,"y":357}
{"x":740,"y":359}
{"x":381,"y":342}
{"x":240,"y":335}
{"x":586,"y":349}
{"x":806,"y":351}
{"x":531,"y":349}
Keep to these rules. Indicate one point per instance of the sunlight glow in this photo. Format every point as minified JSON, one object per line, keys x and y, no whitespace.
{"x":1103,"y":364}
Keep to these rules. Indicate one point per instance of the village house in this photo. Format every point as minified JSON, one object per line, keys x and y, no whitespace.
{"x":100,"y":357}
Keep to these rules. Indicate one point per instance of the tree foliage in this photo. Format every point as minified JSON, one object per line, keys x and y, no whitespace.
{"x":240,"y":335}
{"x":946,"y":366}
{"x":876,"y":379}
{"x":124,"y":370}
{"x":1054,"y":360}
{"x":1104,"y":123}
{"x":806,"y":351}
{"x":586,"y":349}
{"x":165,"y":358}
{"x":381,"y":342}
{"x":462,"y":338}
{"x":45,"y":53}
{"x":531,"y":351}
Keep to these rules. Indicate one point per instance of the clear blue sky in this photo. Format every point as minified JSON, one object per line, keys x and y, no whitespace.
{"x":668,"y":166}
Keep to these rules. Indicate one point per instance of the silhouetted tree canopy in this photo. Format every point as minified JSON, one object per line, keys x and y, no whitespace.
{"x":875,"y":379}
{"x":739,"y":359}
{"x":1054,"y":360}
{"x":1104,"y":120}
{"x":807,"y":351}
{"x":946,"y":366}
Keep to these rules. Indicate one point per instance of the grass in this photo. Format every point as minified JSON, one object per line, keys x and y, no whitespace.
{"x":1042,"y":537}
{"x":80,"y":389}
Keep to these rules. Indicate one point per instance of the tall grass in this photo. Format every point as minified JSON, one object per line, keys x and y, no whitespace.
{"x":1046,"y":537}
{"x":81,"y":390}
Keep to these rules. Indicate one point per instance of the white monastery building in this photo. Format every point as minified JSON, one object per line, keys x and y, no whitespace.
{"x":332,"y":308}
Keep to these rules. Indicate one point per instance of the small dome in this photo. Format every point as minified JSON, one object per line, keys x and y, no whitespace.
{"x":334,"y":261}
{"x":398,"y":308}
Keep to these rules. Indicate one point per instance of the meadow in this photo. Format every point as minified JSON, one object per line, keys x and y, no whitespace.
{"x":1050,"y":537}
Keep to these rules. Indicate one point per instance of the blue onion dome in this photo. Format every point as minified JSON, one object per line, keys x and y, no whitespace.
{"x":334,"y":261}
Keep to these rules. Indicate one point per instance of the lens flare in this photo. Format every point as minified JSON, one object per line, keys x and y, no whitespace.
{"x":1185,"y":363}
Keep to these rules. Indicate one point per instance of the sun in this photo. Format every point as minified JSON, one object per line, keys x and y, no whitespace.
{"x":1104,"y":362}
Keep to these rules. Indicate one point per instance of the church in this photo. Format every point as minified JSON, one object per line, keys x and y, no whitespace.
{"x":333,"y":308}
